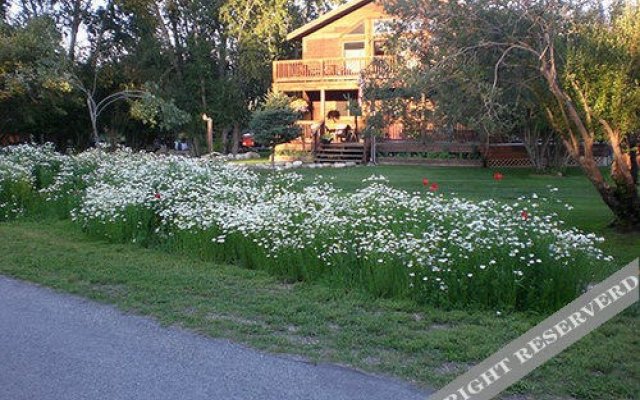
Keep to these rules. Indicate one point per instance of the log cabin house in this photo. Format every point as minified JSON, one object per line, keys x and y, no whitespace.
{"x":337,"y":48}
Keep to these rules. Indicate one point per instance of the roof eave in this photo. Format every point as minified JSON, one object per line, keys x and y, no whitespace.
{"x":327,"y":19}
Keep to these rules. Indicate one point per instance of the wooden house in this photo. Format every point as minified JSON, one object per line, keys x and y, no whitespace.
{"x":336,"y":49}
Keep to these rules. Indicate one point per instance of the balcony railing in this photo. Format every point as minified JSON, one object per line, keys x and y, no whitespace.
{"x":327,"y":68}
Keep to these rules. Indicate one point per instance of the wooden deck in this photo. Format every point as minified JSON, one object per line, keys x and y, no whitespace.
{"x":327,"y":69}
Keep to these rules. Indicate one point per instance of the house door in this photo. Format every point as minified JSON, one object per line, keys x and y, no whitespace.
{"x":354,"y":55}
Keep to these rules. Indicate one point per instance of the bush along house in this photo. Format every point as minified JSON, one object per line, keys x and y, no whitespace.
{"x":340,"y":50}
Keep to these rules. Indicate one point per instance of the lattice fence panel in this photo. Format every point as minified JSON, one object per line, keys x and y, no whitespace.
{"x":509,"y":162}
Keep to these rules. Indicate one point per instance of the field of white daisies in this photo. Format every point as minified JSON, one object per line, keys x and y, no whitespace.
{"x":436,"y":249}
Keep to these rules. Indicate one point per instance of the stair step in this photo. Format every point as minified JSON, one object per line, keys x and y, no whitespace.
{"x":335,"y":157}
{"x":329,"y":161}
{"x":343,"y":145}
{"x":338,"y":151}
{"x":335,"y":151}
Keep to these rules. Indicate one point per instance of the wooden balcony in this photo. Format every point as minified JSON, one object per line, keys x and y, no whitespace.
{"x":327,"y":69}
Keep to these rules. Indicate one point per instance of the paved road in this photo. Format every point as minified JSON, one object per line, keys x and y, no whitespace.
{"x":56,"y":346}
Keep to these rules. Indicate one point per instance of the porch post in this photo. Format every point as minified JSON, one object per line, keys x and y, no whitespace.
{"x":322,"y":105}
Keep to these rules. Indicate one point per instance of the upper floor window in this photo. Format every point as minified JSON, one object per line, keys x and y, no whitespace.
{"x":383,"y":26}
{"x":354,"y":49}
{"x":388,"y":26}
{"x":379,"y":47}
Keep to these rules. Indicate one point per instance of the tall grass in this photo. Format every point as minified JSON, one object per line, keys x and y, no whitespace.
{"x":439,"y":250}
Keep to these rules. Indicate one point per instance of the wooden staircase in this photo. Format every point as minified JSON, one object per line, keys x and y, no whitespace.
{"x":341,"y":153}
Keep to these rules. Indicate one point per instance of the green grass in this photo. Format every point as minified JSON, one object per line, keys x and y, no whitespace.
{"x":421,"y":344}
{"x":252,"y":161}
{"x":589,"y":212}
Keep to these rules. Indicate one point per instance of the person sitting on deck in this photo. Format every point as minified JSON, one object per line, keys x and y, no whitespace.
{"x":341,"y":131}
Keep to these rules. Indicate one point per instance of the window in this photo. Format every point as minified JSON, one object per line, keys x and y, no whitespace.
{"x":354,"y":46}
{"x":382,"y":26}
{"x":389,"y":26}
{"x":354,"y":49}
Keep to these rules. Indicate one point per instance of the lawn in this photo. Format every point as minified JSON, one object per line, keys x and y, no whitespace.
{"x":424,"y":345}
{"x":588,"y":213}
{"x":419,"y":343}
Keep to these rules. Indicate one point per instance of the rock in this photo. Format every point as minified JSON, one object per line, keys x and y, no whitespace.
{"x":339,"y":165}
{"x":211,"y":155}
{"x":297,"y":164}
{"x":252,"y":154}
{"x":350,"y":164}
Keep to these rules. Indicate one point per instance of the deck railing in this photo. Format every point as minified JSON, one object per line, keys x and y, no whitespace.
{"x":327,"y":68}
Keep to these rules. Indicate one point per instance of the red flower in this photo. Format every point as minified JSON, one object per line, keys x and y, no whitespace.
{"x":157,"y":195}
{"x":524,"y":214}
{"x":434,"y":187}
{"x":498,"y":176}
{"x":425,"y":181}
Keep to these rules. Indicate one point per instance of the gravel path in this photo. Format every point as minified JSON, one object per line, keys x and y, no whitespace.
{"x":58,"y":346}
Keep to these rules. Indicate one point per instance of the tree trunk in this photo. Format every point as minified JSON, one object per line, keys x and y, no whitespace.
{"x":225,"y":140}
{"x":166,"y":36}
{"x":235,"y":139}
{"x":94,"y":121}
{"x":622,"y":199}
{"x":273,"y":157}
{"x":222,"y":55}
{"x":633,"y":159}
{"x":75,"y":27}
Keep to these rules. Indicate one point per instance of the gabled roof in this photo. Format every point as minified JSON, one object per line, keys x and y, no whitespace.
{"x":327,"y":18}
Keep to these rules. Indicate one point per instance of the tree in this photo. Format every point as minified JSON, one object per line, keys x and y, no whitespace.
{"x":201,"y":56}
{"x":154,"y":111}
{"x":275,"y":122}
{"x":567,"y":59}
{"x":33,"y":90}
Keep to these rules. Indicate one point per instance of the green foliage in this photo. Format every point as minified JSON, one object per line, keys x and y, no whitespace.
{"x":35,"y":97}
{"x":157,"y":112}
{"x":487,"y":74}
{"x":603,"y":70}
{"x":202,"y":57}
{"x":276,"y":100}
{"x":272,"y":126}
{"x":274,"y":122}
{"x":31,"y":60}
{"x":539,"y":69}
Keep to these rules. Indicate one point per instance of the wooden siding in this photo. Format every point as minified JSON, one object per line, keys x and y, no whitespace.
{"x":328,"y":41}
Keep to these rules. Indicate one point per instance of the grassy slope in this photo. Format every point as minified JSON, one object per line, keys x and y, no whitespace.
{"x":421,"y":344}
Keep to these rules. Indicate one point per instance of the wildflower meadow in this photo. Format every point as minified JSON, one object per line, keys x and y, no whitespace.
{"x":437,"y":249}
